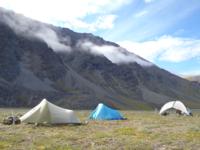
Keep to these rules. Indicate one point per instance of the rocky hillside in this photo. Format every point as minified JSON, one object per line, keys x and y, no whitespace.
{"x":79,"y":70}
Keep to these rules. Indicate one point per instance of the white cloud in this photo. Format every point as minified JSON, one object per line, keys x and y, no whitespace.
{"x":102,"y":22}
{"x":73,"y":12}
{"x":105,"y":22}
{"x":141,"y":13}
{"x":149,"y":1}
{"x":116,"y":55}
{"x":51,"y":38}
{"x":163,"y":16}
{"x":190,"y":73}
{"x":165,"y":48}
{"x":29,"y":28}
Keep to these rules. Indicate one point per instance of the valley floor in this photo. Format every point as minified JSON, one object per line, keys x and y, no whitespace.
{"x":142,"y":130}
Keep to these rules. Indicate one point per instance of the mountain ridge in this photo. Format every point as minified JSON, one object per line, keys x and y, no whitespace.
{"x":194,"y":78}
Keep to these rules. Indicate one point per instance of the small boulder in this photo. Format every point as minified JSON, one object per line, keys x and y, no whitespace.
{"x":11,"y":120}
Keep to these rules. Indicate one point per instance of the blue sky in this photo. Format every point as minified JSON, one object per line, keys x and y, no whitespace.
{"x":166,"y":32}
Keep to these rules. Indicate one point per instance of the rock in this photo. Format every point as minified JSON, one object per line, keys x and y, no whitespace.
{"x":11,"y":120}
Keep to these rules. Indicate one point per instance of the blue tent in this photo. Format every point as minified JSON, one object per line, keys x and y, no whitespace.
{"x":103,"y":112}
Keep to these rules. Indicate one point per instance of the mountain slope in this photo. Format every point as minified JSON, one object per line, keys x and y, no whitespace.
{"x":193,"y":78}
{"x":79,"y":70}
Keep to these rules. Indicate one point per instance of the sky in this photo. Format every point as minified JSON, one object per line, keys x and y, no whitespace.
{"x":165,"y":32}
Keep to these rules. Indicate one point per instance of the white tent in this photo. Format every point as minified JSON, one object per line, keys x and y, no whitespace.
{"x":46,"y":112}
{"x":178,"y":105}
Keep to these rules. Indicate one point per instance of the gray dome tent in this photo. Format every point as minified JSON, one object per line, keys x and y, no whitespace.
{"x":177,"y":105}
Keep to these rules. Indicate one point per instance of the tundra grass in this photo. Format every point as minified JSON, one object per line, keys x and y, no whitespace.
{"x":142,"y":130}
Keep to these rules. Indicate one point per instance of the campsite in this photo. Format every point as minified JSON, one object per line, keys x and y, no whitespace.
{"x":99,"y":75}
{"x":141,"y":130}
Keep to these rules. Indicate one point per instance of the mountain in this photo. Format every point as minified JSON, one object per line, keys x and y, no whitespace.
{"x":193,"y":78}
{"x":79,"y":70}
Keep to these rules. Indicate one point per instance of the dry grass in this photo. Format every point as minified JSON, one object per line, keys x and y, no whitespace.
{"x":142,"y":130}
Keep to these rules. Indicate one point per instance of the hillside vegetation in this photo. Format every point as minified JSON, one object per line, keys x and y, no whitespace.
{"x":142,"y":130}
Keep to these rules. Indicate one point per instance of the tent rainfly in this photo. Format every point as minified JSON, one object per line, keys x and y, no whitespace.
{"x":103,"y":112}
{"x":46,"y":112}
{"x":177,"y":105}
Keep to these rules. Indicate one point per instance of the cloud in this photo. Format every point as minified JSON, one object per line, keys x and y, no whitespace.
{"x":102,"y":22}
{"x":141,"y":13}
{"x":27,"y":27}
{"x":163,"y":16}
{"x":165,"y":48}
{"x":52,"y":40}
{"x":190,"y":73}
{"x":67,"y":12}
{"x":116,"y":55}
{"x":149,"y":1}
{"x":105,"y":22}
{"x":30,"y":28}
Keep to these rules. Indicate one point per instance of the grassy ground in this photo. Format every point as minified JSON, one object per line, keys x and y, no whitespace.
{"x":142,"y":130}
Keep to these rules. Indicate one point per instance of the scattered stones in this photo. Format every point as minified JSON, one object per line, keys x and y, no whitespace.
{"x":11,"y":120}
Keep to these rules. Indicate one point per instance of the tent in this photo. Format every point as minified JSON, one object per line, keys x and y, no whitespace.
{"x":46,"y":112}
{"x":103,"y":112}
{"x":177,"y":105}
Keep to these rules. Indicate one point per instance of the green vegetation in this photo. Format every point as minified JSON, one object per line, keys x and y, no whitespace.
{"x":142,"y":130}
